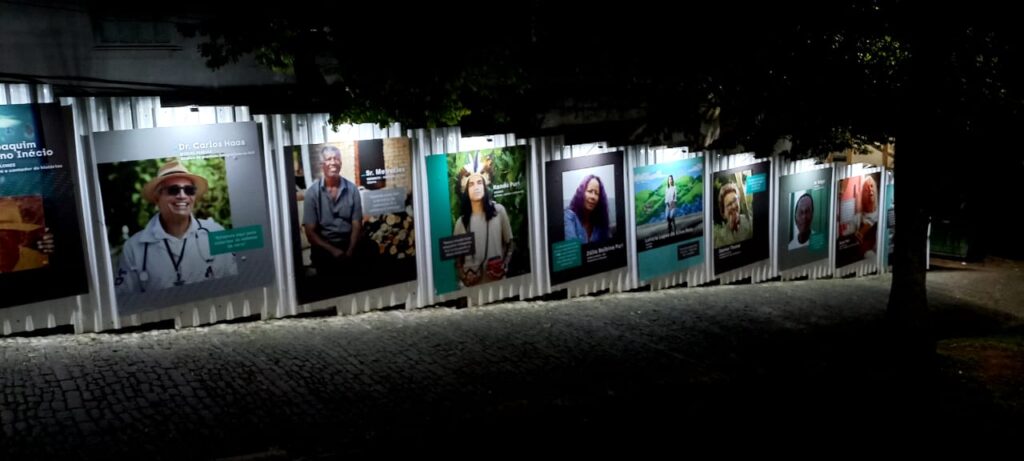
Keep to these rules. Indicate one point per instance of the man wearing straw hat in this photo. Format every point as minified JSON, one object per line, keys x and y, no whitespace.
{"x":174,"y":247}
{"x":16,"y":236}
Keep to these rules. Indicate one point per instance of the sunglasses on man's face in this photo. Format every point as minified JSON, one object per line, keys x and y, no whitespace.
{"x":174,"y":190}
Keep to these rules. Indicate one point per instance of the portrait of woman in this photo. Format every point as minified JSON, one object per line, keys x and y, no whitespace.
{"x":586,"y":217}
{"x":670,"y":204}
{"x":863,"y":220}
{"x":867,"y":228}
{"x":857,"y":218}
{"x":585,"y":214}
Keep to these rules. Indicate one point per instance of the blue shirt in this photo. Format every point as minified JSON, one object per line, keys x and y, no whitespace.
{"x":333,"y":218}
{"x":574,"y":229}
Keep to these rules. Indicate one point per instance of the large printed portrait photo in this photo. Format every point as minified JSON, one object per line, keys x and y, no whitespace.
{"x":806,"y":222}
{"x":589,"y":204}
{"x":804,"y":217}
{"x":147,"y":202}
{"x":669,"y":207}
{"x":669,"y":202}
{"x":353,"y":216}
{"x":741,"y":216}
{"x":857,"y":219}
{"x":482,"y":230}
{"x":185,"y":213}
{"x":734,"y":210}
{"x":585,"y":203}
{"x":41,"y":253}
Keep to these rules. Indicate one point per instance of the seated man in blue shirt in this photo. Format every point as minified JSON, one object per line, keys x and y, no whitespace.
{"x":332,"y":217}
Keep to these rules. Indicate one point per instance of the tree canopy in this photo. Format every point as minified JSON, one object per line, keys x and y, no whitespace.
{"x":826,"y":75}
{"x":945,"y":81}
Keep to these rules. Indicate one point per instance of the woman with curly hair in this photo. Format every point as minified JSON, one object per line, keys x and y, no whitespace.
{"x":586,"y":218}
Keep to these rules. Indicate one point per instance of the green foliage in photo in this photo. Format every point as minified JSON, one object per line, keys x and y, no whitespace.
{"x":506,"y":168}
{"x":650,"y":204}
{"x":126,"y":211}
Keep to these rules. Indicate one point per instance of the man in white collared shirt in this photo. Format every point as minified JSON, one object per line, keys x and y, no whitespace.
{"x":174,"y":247}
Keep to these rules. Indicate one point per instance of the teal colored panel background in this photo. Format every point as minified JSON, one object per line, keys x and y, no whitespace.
{"x":440,"y":222}
{"x":818,"y":242}
{"x":234,"y":240}
{"x":757,"y":183}
{"x":663,"y":260}
{"x":817,"y":184}
{"x":890,"y":200}
{"x":820,"y":221}
{"x":566,"y":254}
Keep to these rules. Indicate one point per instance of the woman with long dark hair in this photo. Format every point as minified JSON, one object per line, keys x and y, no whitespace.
{"x":489,"y":223}
{"x":586,"y":219}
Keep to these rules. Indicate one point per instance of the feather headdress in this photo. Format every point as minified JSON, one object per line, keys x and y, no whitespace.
{"x":477,"y":165}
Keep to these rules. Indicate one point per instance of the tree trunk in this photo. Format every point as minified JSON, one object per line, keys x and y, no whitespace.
{"x":924,"y":141}
{"x":907,"y":314}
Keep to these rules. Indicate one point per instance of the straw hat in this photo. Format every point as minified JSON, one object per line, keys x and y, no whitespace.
{"x":173,"y":169}
{"x":10,"y":218}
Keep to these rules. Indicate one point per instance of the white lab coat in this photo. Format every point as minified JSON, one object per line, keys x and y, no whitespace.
{"x":146,"y":264}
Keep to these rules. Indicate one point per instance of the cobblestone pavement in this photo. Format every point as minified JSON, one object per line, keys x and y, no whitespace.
{"x":673,"y":369}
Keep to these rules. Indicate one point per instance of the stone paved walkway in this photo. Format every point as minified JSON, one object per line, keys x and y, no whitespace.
{"x":617,"y":373}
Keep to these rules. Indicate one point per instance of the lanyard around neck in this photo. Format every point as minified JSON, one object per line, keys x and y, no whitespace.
{"x":177,"y":262}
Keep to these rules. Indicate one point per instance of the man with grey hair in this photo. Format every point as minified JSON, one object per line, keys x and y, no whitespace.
{"x":332,"y":216}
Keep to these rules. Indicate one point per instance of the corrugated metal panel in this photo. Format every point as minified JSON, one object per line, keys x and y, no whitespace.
{"x":273,"y":133}
{"x":269,"y":131}
{"x":422,"y":144}
{"x":759,"y":271}
{"x":96,"y":117}
{"x":540,"y":149}
{"x":224,"y":114}
{"x":144,"y":111}
{"x":632,"y":158}
{"x":442,"y":141}
{"x":92,"y":316}
{"x":242,"y":113}
{"x":21,"y":93}
{"x":867,"y":266}
{"x":44,"y":93}
{"x":121,"y":114}
{"x":45,"y":314}
{"x":278,"y":308}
